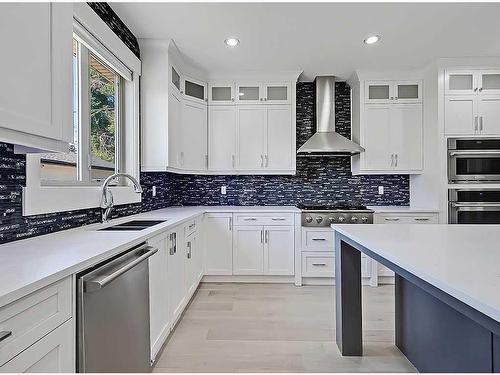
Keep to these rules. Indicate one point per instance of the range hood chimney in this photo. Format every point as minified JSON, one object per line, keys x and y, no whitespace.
{"x":326,"y":141}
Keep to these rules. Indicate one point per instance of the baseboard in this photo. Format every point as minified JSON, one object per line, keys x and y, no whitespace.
{"x":248,"y":279}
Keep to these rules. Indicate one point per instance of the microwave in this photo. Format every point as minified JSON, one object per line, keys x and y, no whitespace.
{"x":473,"y":160}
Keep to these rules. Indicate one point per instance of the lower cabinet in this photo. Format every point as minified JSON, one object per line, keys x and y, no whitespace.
{"x":194,"y":263}
{"x":53,"y":353}
{"x":263,"y":250}
{"x":218,"y":243}
{"x":176,"y":273}
{"x":158,"y":297}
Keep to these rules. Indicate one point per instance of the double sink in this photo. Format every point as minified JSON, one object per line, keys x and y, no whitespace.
{"x":134,"y":225}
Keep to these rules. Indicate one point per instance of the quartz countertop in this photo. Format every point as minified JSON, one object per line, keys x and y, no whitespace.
{"x":402,"y":209}
{"x":461,"y":260}
{"x":30,"y":264}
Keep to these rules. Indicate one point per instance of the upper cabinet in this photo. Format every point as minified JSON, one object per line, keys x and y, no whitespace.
{"x":249,"y":93}
{"x":404,"y":91}
{"x":36,"y":93}
{"x":221,"y":93}
{"x":472,"y":102}
{"x":387,"y":120}
{"x":263,"y":93}
{"x":194,"y":90}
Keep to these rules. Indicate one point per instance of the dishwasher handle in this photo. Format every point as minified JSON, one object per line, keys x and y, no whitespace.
{"x":100,"y":282}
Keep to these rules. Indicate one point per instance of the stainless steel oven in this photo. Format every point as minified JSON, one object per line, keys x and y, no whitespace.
{"x":474,"y":206}
{"x":473,"y":160}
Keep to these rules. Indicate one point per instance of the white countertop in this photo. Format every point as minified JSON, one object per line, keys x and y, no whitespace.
{"x":402,"y":209}
{"x":461,"y":260}
{"x":32,"y":263}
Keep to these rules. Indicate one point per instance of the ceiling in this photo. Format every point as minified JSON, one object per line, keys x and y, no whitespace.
{"x":318,"y":38}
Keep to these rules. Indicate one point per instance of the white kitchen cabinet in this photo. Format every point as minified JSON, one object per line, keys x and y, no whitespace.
{"x":221,"y":138}
{"x":393,"y":138}
{"x":194,"y":90}
{"x":277,"y":93}
{"x":177,"y":293}
{"x":36,"y":90}
{"x":248,"y":250}
{"x":265,"y":138}
{"x":249,"y":93}
{"x":221,"y":93}
{"x":279,"y":138}
{"x":472,"y":102}
{"x":218,"y":244}
{"x":158,"y":296}
{"x":318,"y":264}
{"x":174,"y":128}
{"x":278,"y":250}
{"x":194,"y":265}
{"x":387,"y":121}
{"x":54,"y":353}
{"x":251,"y":130}
{"x":193,"y":136}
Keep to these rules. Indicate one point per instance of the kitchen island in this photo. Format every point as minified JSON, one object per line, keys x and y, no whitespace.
{"x":446,"y":290}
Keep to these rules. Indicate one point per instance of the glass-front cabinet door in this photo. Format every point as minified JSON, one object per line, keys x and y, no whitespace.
{"x":194,"y":89}
{"x":175,"y":78}
{"x":249,"y":93}
{"x":460,"y":83}
{"x":221,"y":93}
{"x":277,"y":93}
{"x":489,"y":82}
{"x":379,"y":92}
{"x":407,"y":91}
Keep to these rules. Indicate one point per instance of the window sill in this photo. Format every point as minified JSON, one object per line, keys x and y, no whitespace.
{"x":49,"y":199}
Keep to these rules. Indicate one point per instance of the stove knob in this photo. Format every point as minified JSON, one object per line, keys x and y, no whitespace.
{"x":341,"y":219}
{"x":354,"y":219}
{"x":319,"y":219}
{"x":364,"y":219}
{"x":309,"y":219}
{"x":332,"y":219}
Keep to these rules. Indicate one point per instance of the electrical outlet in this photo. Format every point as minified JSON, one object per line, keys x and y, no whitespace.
{"x":381,"y":190}
{"x":223,"y":189}
{"x":154,"y":191}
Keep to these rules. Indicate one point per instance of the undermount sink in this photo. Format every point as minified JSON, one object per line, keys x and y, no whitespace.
{"x":134,"y":225}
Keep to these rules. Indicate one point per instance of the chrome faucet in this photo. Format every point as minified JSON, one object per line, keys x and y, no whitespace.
{"x":107,"y":195}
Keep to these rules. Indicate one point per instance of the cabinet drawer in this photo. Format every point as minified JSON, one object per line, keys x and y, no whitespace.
{"x":264,"y":219}
{"x":318,"y":264}
{"x":318,"y":240}
{"x":33,"y":316}
{"x":414,"y":218}
{"x":52,"y":354}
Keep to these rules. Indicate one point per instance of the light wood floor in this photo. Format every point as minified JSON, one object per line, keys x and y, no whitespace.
{"x":278,"y":328}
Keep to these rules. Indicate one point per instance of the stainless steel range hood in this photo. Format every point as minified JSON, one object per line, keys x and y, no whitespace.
{"x":326,"y":141}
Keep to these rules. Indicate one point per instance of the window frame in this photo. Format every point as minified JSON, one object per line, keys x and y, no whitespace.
{"x":60,"y":196}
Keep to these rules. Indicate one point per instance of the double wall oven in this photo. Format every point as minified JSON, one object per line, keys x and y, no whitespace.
{"x":474,"y":180}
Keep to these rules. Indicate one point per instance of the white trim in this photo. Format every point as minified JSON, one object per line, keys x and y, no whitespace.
{"x":98,"y":28}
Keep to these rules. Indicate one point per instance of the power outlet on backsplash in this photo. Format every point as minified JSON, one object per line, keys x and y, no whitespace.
{"x":223,"y":190}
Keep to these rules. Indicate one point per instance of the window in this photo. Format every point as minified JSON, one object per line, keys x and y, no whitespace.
{"x":95,"y":152}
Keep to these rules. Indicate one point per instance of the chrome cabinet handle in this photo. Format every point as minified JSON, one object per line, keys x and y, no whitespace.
{"x":233,"y":160}
{"x":171,"y":239}
{"x":278,"y":219}
{"x":189,"y":250}
{"x":267,"y":236}
{"x":206,"y":161}
{"x":100,"y":282}
{"x":261,"y":236}
{"x":475,"y":124}
{"x":250,"y":219}
{"x":319,"y":264}
{"x":396,"y":159}
{"x":262,"y":161}
{"x":392,"y":160}
{"x":475,"y":89}
{"x":5,"y":334}
{"x":392,"y":97}
{"x":480,"y":123}
{"x":391,"y":219}
{"x":230,"y":224}
{"x":319,"y":239}
{"x":421,"y":219}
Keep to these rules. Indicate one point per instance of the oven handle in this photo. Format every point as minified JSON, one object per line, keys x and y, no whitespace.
{"x":475,"y":153}
{"x":475,"y":204}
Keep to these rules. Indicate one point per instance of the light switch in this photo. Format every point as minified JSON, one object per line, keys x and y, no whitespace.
{"x":223,"y":189}
{"x":154,"y":191}
{"x":381,"y":190}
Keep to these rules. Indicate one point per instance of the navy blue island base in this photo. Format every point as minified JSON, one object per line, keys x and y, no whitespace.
{"x":435,"y":331}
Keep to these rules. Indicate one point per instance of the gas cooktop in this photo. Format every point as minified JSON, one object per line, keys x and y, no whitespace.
{"x":323,"y":215}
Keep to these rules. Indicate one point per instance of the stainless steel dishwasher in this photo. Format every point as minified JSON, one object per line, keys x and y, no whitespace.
{"x":113,"y":314}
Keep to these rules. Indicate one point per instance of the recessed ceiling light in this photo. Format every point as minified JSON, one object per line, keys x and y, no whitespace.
{"x":232,"y":42}
{"x":372,"y":39}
